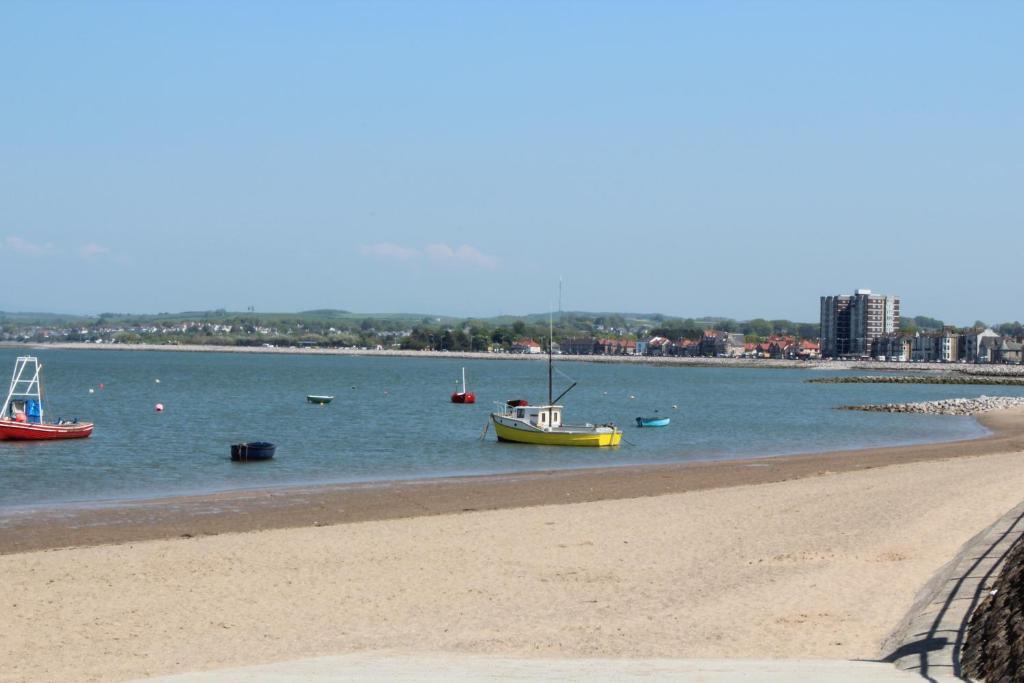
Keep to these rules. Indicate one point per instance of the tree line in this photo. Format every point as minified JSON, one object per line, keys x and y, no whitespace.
{"x":340,"y":329}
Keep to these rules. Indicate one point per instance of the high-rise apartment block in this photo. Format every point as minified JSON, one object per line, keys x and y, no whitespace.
{"x":849,"y":323}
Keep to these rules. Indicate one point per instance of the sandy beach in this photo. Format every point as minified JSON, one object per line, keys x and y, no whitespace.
{"x":804,"y":556}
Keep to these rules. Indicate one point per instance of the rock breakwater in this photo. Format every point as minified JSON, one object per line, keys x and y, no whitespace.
{"x":949,"y":406}
{"x":922,"y":379}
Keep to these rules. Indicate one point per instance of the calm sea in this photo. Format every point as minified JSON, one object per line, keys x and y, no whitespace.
{"x":392,"y":419}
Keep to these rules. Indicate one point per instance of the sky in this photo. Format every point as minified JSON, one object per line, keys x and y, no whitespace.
{"x":737,"y":159}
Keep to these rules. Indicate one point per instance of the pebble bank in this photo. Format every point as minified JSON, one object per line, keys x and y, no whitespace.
{"x":949,"y":406}
{"x":1004,"y":381}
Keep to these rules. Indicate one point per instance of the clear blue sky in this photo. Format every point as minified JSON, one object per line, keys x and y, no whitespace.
{"x":690,"y":158}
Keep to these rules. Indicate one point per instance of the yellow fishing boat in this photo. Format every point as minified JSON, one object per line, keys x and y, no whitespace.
{"x":542,"y":425}
{"x":520,"y":422}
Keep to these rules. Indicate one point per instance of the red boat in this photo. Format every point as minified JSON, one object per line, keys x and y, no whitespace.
{"x":463,"y":396}
{"x":21,"y":418}
{"x":11,"y":430}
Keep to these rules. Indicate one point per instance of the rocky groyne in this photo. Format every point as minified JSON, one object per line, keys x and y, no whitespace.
{"x":949,"y":406}
{"x":988,"y":380}
{"x":930,"y":367}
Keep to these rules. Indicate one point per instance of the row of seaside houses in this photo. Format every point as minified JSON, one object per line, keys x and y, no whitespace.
{"x":949,"y":346}
{"x":713,"y":343}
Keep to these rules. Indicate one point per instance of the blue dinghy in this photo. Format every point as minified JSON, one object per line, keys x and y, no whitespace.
{"x":653,"y":421}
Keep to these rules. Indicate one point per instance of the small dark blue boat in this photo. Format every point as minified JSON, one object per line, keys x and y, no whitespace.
{"x":653,"y":421}
{"x":253,"y":450}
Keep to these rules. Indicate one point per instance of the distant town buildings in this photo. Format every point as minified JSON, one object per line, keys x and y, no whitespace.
{"x":851,"y":323}
{"x":721,"y":344}
{"x":856,"y":326}
{"x":978,"y":345}
{"x":525,"y":346}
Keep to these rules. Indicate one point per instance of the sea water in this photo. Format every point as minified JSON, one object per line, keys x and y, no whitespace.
{"x":392,"y":419}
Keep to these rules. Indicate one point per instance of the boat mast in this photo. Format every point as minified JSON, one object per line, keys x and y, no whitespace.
{"x":551,"y":341}
{"x":463,"y":380}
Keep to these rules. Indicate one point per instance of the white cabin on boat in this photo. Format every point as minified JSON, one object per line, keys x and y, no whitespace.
{"x":541,"y":417}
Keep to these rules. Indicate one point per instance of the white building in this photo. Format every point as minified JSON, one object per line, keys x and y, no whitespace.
{"x":978,"y":345}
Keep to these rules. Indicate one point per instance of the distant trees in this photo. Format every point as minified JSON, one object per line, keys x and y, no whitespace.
{"x":925,"y":323}
{"x":1014,"y":329}
{"x":758,"y":327}
{"x":454,"y":340}
{"x":418,"y":339}
{"x":808,"y":330}
{"x":678,"y":329}
{"x":332,"y":329}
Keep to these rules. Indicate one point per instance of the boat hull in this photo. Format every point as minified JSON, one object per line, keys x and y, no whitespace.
{"x":253,"y":450}
{"x":35,"y":431}
{"x":464,"y":397}
{"x":652,"y":421}
{"x":510,"y":430}
{"x":322,"y":400}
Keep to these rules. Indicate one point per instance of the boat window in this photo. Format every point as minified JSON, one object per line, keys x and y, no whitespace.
{"x":543,"y":418}
{"x":520,"y":413}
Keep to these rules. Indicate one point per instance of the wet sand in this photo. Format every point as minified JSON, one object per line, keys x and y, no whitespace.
{"x":803,"y":556}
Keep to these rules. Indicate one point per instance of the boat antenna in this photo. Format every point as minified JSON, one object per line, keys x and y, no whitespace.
{"x":551,"y":341}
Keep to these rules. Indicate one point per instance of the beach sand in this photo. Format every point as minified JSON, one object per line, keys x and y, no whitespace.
{"x":806,"y":556}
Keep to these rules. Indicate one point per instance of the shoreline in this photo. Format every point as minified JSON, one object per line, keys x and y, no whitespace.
{"x":57,"y":508}
{"x":117,"y":522}
{"x":677,"y":361}
{"x":399,"y":353}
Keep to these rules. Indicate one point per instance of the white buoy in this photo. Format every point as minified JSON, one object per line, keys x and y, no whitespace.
{"x":631,"y":397}
{"x":159,"y":407}
{"x":157,"y":381}
{"x":675,"y":407}
{"x":92,"y":391}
